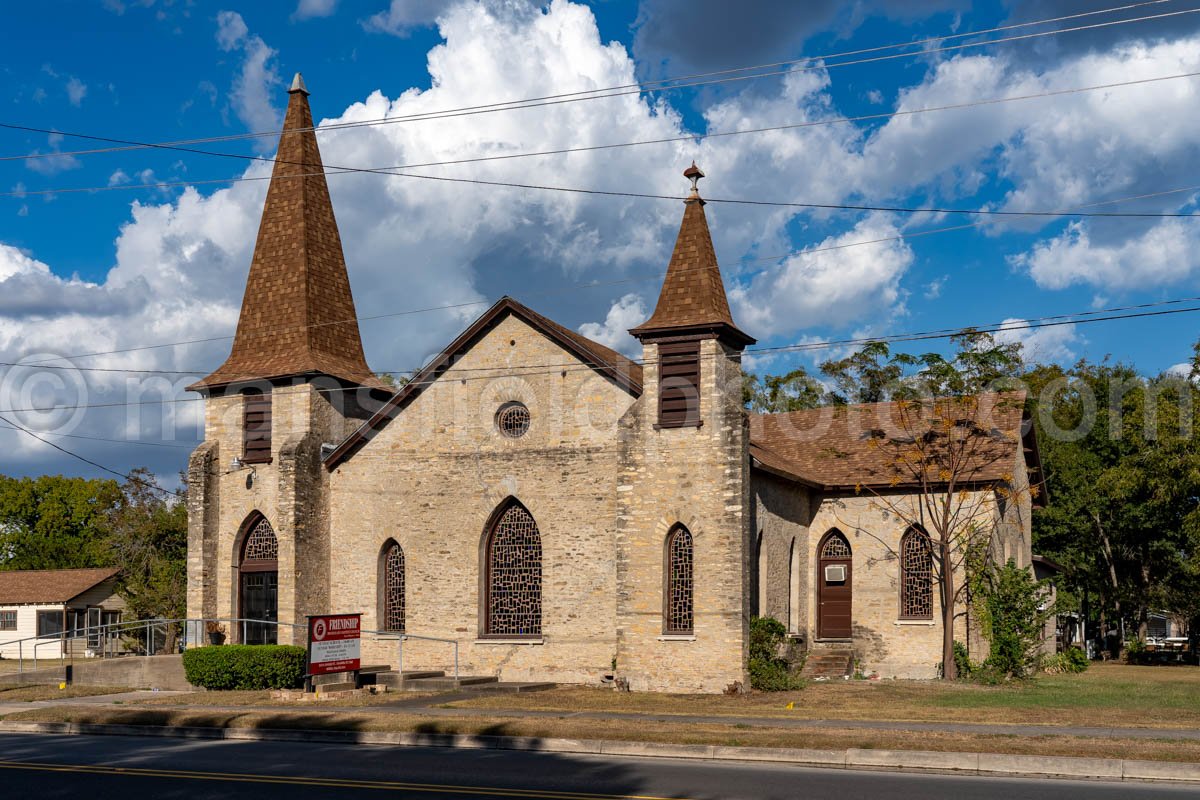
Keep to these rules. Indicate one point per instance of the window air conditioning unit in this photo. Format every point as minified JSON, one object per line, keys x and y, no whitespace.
{"x":835,"y":573}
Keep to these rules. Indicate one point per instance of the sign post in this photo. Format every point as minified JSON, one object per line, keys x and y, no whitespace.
{"x":333,"y":645}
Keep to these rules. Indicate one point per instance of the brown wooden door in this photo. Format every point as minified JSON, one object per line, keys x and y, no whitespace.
{"x":835,"y":606}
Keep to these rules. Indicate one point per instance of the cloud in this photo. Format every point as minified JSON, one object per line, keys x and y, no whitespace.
{"x":402,"y":16}
{"x":118,"y":178}
{"x":836,"y":288}
{"x":717,"y":34}
{"x":180,"y":261}
{"x":231,"y":30}
{"x":253,"y":94}
{"x":48,"y":162}
{"x":1163,"y":254}
{"x":1039,"y":345}
{"x":1058,"y":152}
{"x":76,"y":91}
{"x":311,"y":9}
{"x":628,"y":312}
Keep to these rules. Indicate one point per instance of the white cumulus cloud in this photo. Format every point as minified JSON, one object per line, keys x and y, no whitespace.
{"x":628,"y":312}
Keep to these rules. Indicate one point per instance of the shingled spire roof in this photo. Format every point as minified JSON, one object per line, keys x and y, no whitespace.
{"x":693,"y":295}
{"x":298,"y":313}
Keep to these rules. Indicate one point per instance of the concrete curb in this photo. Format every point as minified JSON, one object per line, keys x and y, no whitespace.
{"x":990,"y":764}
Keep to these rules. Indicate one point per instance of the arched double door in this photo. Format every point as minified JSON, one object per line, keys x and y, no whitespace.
{"x":835,"y":587}
{"x":258,"y":583}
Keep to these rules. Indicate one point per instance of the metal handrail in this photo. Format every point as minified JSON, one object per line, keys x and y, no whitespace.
{"x":401,"y":636}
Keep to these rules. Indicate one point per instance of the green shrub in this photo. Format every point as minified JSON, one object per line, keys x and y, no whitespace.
{"x":1017,"y":612}
{"x":1135,"y":649}
{"x":963,"y":666}
{"x":769,"y":672}
{"x":242,"y":666}
{"x":1069,"y":661}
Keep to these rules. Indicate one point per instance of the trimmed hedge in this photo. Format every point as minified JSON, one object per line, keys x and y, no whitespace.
{"x":245,"y":666}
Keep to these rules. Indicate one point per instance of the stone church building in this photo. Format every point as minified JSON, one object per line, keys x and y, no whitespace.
{"x":558,"y":510}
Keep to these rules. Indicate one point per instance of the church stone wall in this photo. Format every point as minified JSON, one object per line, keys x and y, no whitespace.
{"x":433,"y":477}
{"x":699,"y":477}
{"x":883,"y":642}
{"x":782,"y":510}
{"x":289,"y":492}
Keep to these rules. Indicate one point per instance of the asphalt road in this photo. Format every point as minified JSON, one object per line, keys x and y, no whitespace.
{"x":132,"y":768}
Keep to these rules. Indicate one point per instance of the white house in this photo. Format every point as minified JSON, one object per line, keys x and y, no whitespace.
{"x":45,"y":603}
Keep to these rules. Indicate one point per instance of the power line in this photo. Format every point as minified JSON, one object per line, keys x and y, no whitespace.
{"x":87,"y":460}
{"x":113,"y":441}
{"x":1079,"y":318}
{"x":637,"y":88}
{"x":329,"y":171}
{"x":575,"y":287}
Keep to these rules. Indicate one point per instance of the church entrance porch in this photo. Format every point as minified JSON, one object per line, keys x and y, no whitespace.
{"x":258,"y":582}
{"x":260,"y":601}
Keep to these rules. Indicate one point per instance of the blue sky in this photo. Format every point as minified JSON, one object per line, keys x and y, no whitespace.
{"x":124,"y":268}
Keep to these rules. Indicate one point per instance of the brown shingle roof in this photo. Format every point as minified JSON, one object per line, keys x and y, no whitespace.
{"x":693,"y":293}
{"x":623,"y":371}
{"x":298,"y":313}
{"x":27,"y":586}
{"x":834,"y":446}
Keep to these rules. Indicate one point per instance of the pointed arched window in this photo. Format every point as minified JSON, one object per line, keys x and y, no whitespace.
{"x":679,"y":597}
{"x":916,"y":576}
{"x":391,"y":582}
{"x":513,"y":563}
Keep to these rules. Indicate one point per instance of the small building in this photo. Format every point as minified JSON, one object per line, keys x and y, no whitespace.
{"x":48,"y":603}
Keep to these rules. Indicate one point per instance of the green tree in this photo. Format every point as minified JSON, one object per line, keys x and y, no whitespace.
{"x":769,"y":394}
{"x":1122,"y":458}
{"x":54,"y":522}
{"x":147,"y":537}
{"x":942,"y":436}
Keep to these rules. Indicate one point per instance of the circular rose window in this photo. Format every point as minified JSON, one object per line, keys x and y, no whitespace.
{"x":512,"y":420}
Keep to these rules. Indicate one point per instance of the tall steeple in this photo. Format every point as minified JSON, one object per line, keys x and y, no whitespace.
{"x":298,"y":316}
{"x":693,"y":298}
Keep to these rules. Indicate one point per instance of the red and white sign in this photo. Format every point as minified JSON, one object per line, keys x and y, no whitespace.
{"x":333,"y":643}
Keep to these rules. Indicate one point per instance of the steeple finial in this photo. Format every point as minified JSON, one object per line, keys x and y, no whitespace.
{"x":692,"y":300}
{"x":298,"y":85}
{"x":694,"y":174}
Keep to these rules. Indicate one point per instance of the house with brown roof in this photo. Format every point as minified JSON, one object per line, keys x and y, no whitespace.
{"x":56,"y":611}
{"x":543,"y":506}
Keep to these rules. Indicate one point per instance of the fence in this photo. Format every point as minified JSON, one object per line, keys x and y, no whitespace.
{"x":150,"y":637}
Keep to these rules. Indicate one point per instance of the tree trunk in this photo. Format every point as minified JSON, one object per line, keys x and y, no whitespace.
{"x":949,"y":668}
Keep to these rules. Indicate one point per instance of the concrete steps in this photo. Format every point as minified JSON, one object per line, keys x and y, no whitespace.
{"x":828,"y":664}
{"x":443,"y":683}
{"x":438,"y":681}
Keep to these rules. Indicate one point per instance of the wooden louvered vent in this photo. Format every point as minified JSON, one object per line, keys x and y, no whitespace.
{"x":679,"y":385}
{"x":256,"y":428}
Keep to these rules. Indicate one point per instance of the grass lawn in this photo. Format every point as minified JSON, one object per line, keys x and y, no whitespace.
{"x":1107,"y":695}
{"x":1164,"y":749}
{"x":27,"y":694}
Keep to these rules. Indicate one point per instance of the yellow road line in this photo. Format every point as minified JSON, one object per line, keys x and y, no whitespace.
{"x":331,"y":783}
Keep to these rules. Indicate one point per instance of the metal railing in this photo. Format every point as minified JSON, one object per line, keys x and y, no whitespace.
{"x":400,"y":639}
{"x":122,"y":638}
